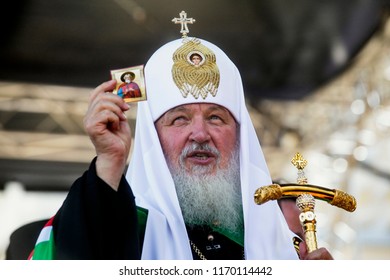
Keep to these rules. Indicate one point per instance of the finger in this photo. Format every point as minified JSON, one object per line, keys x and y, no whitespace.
{"x":105,"y":119}
{"x":108,"y":101}
{"x":116,"y":105}
{"x":107,"y":86}
{"x":320,"y":254}
{"x":105,"y":113}
{"x":302,"y":250}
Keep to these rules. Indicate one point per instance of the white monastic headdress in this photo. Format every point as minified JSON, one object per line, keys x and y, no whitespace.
{"x":266,"y":233}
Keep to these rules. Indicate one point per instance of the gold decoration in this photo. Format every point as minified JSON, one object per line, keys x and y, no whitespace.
{"x":196,"y":77}
{"x":300,"y":163}
{"x":332,"y":196}
{"x":343,"y":200}
{"x":306,"y":204}
{"x":296,"y":242}
{"x":183,"y":20}
{"x":267,"y":193}
{"x":306,"y":195}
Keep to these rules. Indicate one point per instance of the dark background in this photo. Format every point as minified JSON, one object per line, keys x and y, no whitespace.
{"x":283,"y":48}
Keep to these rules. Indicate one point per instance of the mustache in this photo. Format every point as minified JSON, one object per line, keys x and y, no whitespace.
{"x":196,"y":147}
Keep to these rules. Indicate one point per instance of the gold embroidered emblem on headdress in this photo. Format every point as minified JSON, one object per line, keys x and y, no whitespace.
{"x":194,"y":70}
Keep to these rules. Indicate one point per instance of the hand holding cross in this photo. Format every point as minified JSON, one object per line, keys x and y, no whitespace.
{"x":306,"y":195}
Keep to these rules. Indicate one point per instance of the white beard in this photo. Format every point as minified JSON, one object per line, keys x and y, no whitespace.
{"x":210,"y":199}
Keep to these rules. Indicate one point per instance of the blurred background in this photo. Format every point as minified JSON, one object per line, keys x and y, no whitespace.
{"x":316,"y":76}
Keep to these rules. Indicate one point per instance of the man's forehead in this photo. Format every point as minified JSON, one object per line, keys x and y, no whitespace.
{"x":203,"y":106}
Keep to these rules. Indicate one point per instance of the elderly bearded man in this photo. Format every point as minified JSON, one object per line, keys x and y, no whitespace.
{"x":195,"y":164}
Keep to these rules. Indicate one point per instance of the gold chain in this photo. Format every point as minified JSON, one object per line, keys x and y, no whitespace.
{"x":200,"y":254}
{"x":197,"y":251}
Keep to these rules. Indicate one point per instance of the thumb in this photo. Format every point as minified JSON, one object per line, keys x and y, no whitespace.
{"x":302,"y":250}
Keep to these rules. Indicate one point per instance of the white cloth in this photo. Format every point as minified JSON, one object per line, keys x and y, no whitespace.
{"x":266,"y":233}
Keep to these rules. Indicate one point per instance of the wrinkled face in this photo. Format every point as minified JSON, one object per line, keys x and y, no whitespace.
{"x":201,"y":123}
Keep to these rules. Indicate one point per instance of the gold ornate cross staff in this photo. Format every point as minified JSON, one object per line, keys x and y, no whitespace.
{"x":306,"y":203}
{"x":306,"y":195}
{"x":183,"y":20}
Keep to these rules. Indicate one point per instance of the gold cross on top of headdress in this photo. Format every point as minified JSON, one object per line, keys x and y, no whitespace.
{"x":183,"y":20}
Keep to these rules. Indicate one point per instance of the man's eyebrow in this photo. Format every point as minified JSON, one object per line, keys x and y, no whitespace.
{"x":184,"y":109}
{"x":218,"y":107}
{"x":177,"y":109}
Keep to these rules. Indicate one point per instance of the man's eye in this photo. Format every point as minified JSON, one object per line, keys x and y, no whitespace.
{"x":215,"y":117}
{"x":179,"y":120}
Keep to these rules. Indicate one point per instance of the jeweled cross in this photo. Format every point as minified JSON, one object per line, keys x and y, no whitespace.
{"x":183,"y":20}
{"x":298,"y":161}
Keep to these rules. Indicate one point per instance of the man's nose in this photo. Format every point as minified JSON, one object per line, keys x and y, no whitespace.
{"x":200,"y":132}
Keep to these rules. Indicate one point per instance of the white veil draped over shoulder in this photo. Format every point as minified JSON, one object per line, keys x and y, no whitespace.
{"x":266,"y":233}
